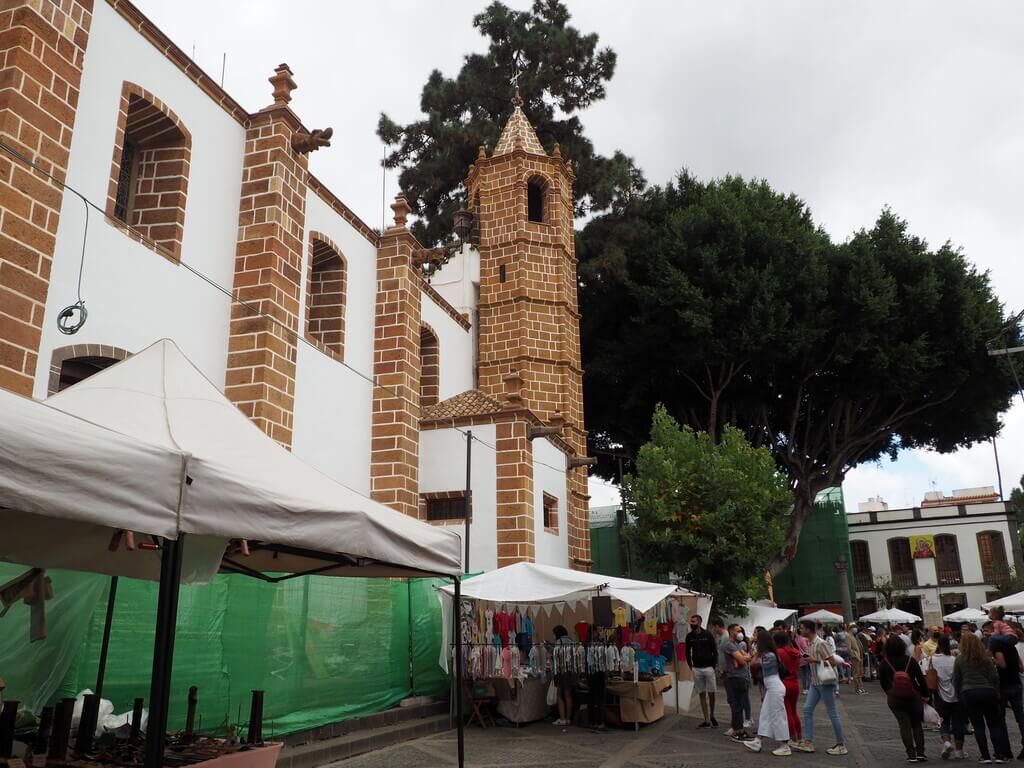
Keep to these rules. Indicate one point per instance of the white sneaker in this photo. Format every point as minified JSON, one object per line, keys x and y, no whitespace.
{"x":753,"y":745}
{"x":838,"y":749}
{"x":782,"y":751}
{"x":959,"y":754}
{"x":748,"y":723}
{"x":947,"y":750}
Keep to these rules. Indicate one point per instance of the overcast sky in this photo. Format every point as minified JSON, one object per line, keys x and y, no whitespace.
{"x":852,"y":106}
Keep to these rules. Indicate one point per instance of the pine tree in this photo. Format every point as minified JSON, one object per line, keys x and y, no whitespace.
{"x":560,"y":70}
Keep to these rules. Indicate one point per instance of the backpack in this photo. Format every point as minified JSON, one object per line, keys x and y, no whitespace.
{"x":902,"y":685}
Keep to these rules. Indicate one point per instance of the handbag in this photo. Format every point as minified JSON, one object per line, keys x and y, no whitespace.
{"x":552,"y":698}
{"x":932,"y":678}
{"x":826,"y":674}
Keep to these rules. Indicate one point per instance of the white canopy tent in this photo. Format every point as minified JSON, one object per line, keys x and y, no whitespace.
{"x":535,"y":584}
{"x":760,"y":615}
{"x":891,"y":616}
{"x":243,"y":485}
{"x":1011,"y":603}
{"x":966,"y":614}
{"x":151,"y":446}
{"x":823,"y":617}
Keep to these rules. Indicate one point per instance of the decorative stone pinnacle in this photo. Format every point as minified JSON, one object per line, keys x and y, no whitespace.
{"x":283,"y":84}
{"x":517,"y":100}
{"x":401,"y":208}
{"x":557,"y":151}
{"x":481,"y":153}
{"x":513,"y":389}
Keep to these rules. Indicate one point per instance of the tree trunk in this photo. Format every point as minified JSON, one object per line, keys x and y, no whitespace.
{"x":803,"y":505}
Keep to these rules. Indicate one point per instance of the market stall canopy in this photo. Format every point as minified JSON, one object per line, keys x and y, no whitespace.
{"x":760,"y":615}
{"x":243,"y":485}
{"x":538,"y":584}
{"x":890,"y":616}
{"x":1011,"y":603}
{"x":823,"y":617}
{"x":67,"y":485}
{"x":966,"y":614}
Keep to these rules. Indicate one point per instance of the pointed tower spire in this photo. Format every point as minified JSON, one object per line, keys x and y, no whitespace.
{"x":518,"y":131}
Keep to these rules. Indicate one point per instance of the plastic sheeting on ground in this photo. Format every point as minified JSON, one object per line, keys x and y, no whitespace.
{"x":324,"y":649}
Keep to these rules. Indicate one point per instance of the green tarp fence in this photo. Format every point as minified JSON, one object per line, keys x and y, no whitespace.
{"x":324,"y":649}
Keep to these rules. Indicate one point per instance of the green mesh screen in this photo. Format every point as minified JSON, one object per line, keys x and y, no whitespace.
{"x":323,"y":649}
{"x":811,"y":577}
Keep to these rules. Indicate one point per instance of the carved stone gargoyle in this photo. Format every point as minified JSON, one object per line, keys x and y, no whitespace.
{"x":304,"y":143}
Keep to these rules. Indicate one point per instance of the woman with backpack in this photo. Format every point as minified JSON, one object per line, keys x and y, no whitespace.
{"x":904,"y":685}
{"x":976,"y":683}
{"x":771,"y":723}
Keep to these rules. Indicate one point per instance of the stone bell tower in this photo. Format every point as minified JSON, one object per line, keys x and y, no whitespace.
{"x":528,"y":314}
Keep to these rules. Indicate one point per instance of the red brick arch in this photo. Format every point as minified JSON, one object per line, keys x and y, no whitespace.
{"x":326,"y":295}
{"x":60,"y":354}
{"x":159,"y":172}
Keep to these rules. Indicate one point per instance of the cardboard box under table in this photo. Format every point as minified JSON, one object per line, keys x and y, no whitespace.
{"x":641,"y":702}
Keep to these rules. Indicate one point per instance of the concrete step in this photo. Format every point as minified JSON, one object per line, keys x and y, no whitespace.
{"x":319,"y":753}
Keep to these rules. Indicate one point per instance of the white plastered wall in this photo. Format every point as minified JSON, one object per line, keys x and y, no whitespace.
{"x":443,"y":468}
{"x":550,"y":548}
{"x":334,"y":402}
{"x":134,"y":295}
{"x":455,"y":345}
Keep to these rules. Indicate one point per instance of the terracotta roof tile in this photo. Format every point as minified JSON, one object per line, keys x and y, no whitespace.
{"x":472,"y":402}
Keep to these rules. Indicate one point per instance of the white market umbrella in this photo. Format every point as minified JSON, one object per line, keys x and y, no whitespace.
{"x":966,"y":614}
{"x":1011,"y":603}
{"x":891,"y":616}
{"x":823,"y":617}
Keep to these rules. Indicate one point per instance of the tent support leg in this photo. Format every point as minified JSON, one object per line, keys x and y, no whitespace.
{"x":101,"y":671}
{"x":458,"y":673}
{"x":163,"y":650}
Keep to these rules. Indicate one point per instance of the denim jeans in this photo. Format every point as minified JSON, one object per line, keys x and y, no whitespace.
{"x":828,"y":693}
{"x":805,"y":678}
{"x":952,"y":713}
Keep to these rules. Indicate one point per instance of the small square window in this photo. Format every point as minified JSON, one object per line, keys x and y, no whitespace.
{"x":445,"y":507}
{"x":550,"y":512}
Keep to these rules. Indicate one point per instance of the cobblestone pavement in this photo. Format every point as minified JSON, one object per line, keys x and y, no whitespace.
{"x":674,"y":742}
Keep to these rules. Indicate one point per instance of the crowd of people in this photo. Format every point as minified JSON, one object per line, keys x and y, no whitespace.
{"x":963,"y":679}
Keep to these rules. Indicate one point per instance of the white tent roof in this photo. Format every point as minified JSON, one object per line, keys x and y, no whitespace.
{"x":760,"y":615}
{"x":966,"y":614}
{"x":1011,"y":603}
{"x":66,"y":485}
{"x":891,"y":615}
{"x":244,"y":485}
{"x":823,"y":616}
{"x":535,"y":583}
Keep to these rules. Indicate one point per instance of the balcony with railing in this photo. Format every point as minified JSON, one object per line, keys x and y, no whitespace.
{"x":904,"y":579}
{"x":949,"y":577}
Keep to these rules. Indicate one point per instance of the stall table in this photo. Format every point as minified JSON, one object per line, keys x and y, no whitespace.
{"x":523,"y":701}
{"x":641,"y":702}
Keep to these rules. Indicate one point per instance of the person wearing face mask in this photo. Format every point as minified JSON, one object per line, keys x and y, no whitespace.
{"x":734,"y":661}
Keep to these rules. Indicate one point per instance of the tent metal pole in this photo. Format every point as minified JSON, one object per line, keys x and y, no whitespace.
{"x":469,"y":492}
{"x":163,"y":650}
{"x":101,"y":671}
{"x":458,"y":673}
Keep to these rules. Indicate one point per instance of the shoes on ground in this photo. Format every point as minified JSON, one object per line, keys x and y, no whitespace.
{"x":730,"y":732}
{"x":783,"y":750}
{"x":947,"y":750}
{"x":802,"y":746}
{"x":714,"y":723}
{"x":838,"y":749}
{"x":741,"y":736}
{"x":748,"y":723}
{"x":958,"y":754}
{"x":753,"y":745}
{"x":705,"y":724}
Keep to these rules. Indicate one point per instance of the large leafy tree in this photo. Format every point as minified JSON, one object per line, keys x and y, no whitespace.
{"x":560,"y":70}
{"x":724,"y":301}
{"x":712,"y":512}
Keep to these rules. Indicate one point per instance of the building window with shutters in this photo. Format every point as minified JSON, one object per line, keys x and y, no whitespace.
{"x":863,"y":580}
{"x":901,"y":564}
{"x":992,"y":554}
{"x":947,"y":560}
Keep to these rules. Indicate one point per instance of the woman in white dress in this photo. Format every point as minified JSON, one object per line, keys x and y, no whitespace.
{"x":772,"y":722}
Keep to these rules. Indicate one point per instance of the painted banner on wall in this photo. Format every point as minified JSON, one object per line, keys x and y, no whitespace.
{"x":922,"y":545}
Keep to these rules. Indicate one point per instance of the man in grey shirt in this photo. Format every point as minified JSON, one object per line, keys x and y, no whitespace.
{"x":734,"y":663}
